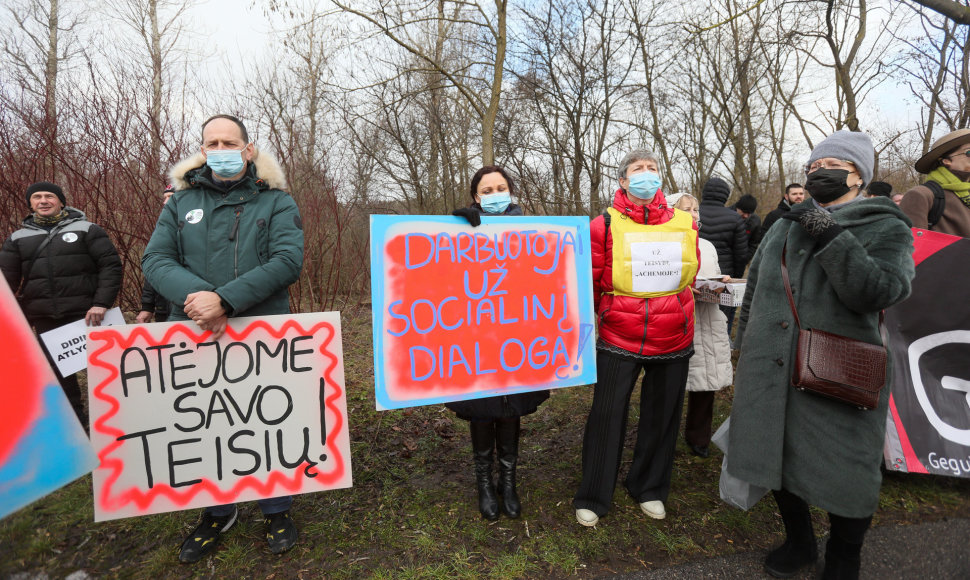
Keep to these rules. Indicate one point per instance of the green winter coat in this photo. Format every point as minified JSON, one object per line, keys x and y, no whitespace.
{"x":824,"y":451}
{"x":245,"y":244}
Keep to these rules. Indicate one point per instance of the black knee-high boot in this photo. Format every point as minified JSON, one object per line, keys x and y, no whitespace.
{"x":507,"y":440}
{"x":843,"y":551}
{"x":483,"y":444}
{"x":799,"y":549}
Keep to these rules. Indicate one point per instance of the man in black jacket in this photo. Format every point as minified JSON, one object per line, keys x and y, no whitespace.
{"x":153,"y":305}
{"x":794,"y":194}
{"x":62,"y":268}
{"x":723,"y":227}
{"x":746,"y":207}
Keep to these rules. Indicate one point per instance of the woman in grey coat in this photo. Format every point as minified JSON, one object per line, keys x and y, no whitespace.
{"x":848,"y":258}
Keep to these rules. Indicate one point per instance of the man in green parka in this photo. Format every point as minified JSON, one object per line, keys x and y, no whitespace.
{"x":848,"y":257}
{"x":228,"y":243}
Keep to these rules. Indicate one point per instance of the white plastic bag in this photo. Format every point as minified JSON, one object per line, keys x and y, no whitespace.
{"x":734,"y":491}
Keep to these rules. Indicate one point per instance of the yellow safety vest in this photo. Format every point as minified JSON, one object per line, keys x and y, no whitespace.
{"x":653,"y":260}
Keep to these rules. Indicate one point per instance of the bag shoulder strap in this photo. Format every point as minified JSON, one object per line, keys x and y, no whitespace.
{"x":30,"y":265}
{"x":939,"y":203}
{"x":788,"y":292}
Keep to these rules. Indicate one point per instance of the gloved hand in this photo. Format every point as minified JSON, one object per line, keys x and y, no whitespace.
{"x":816,"y":223}
{"x":470,"y":214}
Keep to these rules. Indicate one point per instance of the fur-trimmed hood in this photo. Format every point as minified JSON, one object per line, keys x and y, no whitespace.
{"x":267,"y":168}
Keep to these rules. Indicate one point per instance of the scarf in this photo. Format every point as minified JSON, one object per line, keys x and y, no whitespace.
{"x":947,"y":180}
{"x":839,"y":206}
{"x":48,"y":222}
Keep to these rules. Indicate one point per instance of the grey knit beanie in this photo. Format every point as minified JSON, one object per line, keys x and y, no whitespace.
{"x":848,"y":146}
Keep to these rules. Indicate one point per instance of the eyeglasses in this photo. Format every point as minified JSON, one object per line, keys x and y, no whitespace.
{"x":967,"y":153}
{"x":830,"y":164}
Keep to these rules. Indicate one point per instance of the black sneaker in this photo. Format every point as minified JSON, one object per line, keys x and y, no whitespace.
{"x":205,"y":536}
{"x":281,"y":533}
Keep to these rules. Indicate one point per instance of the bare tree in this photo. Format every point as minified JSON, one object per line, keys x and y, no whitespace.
{"x":938,"y":74}
{"x":149,"y":65}
{"x":290,"y":98}
{"x":576,"y":69}
{"x":955,"y":11}
{"x":732,"y":71}
{"x":479,"y":85}
{"x":656,"y":55}
{"x":40,"y":42}
{"x":858,"y":61}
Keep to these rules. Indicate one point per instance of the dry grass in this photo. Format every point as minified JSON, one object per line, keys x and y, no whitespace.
{"x":412,"y":511}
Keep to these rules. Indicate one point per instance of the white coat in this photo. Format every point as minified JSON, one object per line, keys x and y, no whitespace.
{"x":710,"y":367}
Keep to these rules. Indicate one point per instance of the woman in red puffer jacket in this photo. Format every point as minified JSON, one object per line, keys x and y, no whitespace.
{"x":645,"y":258}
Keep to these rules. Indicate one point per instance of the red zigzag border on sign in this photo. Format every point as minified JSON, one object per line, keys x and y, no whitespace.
{"x":143,"y":499}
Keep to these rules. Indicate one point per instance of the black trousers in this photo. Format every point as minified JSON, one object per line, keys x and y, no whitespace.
{"x":700,"y":415}
{"x":69,"y":384}
{"x":661,"y":403}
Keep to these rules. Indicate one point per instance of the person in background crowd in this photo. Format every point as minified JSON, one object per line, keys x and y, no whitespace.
{"x":230,"y":196}
{"x":153,"y":304}
{"x":947,"y":169}
{"x":724,"y":228}
{"x":879,"y":189}
{"x":710,"y":367}
{"x":62,"y":268}
{"x":646,"y":322}
{"x":848,"y":261}
{"x":794,"y":195}
{"x":897,"y":198}
{"x":495,"y":422}
{"x":746,"y":207}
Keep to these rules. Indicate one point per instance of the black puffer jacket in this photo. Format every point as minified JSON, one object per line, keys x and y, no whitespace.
{"x":76,"y":269}
{"x":775,"y":214}
{"x":723,"y":227}
{"x":491,"y":408}
{"x":752,"y":227}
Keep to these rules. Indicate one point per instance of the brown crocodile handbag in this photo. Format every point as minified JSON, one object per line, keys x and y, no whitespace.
{"x":834,"y":366}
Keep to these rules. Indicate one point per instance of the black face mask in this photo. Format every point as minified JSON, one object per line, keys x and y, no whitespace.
{"x":827,"y":185}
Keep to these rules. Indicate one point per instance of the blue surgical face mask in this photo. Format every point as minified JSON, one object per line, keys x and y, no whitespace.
{"x":225,"y":162}
{"x":496,"y":202}
{"x":644,"y":185}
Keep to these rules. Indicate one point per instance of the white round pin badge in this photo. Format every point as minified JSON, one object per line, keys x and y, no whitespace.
{"x":194,"y":216}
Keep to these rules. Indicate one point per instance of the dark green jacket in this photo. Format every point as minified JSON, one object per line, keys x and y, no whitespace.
{"x":824,"y":451}
{"x":245,"y":244}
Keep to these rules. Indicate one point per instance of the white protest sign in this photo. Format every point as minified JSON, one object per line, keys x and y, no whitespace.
{"x":181,"y":421}
{"x":66,"y":344}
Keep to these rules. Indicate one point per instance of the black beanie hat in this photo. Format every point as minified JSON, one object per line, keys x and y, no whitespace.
{"x":747,"y":203}
{"x":46,"y":186}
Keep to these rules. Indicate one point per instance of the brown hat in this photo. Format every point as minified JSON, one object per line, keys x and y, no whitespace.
{"x":943,"y":145}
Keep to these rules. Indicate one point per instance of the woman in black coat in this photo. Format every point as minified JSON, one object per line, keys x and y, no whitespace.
{"x":495,"y":421}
